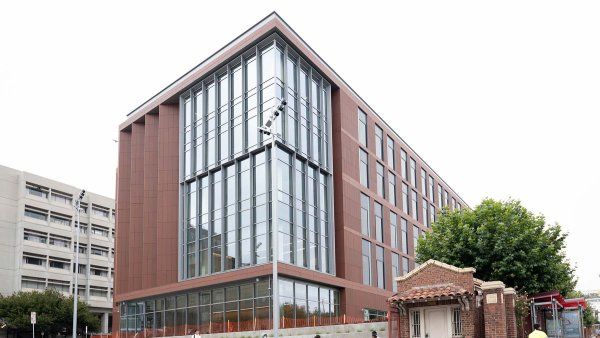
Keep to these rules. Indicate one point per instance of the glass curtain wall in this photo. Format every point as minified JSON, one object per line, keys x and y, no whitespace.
{"x":225,"y":174}
{"x":241,"y":307}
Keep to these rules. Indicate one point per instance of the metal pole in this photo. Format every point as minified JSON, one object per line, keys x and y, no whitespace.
{"x":581,"y":329}
{"x":33,"y":330}
{"x":270,"y":128}
{"x":75,"y":293}
{"x":533,"y":316}
{"x":275,"y":232}
{"x":555,"y":318}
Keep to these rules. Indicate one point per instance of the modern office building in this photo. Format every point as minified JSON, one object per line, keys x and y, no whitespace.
{"x":195,"y":200}
{"x":38,"y":240}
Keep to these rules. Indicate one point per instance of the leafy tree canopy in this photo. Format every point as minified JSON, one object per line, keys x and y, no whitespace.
{"x":54,"y":312}
{"x":503,"y":241}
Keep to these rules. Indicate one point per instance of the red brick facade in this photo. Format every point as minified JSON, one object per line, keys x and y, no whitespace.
{"x":483,"y":307}
{"x":510,"y":298}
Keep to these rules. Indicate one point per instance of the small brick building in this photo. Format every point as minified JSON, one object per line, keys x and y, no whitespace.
{"x":438,"y":300}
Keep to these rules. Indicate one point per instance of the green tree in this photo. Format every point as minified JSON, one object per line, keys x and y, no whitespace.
{"x":54,"y":312}
{"x":503,"y":241}
{"x":589,"y":317}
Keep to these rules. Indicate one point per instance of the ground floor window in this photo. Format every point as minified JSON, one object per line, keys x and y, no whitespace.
{"x":374,"y":315}
{"x":416,"y":324}
{"x":456,"y":323}
{"x":244,"y":306}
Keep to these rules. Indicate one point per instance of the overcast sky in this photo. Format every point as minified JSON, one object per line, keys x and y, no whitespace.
{"x":500,"y":98}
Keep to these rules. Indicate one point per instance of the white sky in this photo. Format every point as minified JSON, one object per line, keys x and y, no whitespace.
{"x":500,"y":98}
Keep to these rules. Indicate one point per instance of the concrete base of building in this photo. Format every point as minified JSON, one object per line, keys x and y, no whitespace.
{"x":362,"y":330}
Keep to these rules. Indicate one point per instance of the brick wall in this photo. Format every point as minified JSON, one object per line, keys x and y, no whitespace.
{"x":509,"y":306}
{"x":433,"y":274}
{"x":494,"y":313}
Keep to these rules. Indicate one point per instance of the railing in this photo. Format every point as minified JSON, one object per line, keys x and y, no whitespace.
{"x":251,"y":325}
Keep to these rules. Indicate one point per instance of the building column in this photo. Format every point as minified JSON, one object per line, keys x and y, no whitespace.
{"x":494,"y":313}
{"x":104,"y":323}
{"x":511,"y":319}
{"x":393,"y":322}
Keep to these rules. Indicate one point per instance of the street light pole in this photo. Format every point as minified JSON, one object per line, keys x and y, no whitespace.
{"x":270,"y":128}
{"x":77,"y":206}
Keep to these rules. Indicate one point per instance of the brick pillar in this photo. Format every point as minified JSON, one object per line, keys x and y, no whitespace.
{"x":509,"y":306}
{"x":494,"y":313}
{"x":393,"y":322}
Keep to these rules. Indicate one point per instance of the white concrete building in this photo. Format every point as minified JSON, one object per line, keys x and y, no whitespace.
{"x":37,"y":240}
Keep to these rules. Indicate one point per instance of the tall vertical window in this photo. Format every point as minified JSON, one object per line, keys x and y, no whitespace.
{"x":425,"y":217}
{"x":423,"y":182}
{"x":211,"y":125}
{"x":323,"y":223}
{"x":199,"y":127}
{"x":292,"y":104}
{"x":431,"y":214}
{"x":191,"y":212}
{"x":204,"y":226}
{"x":453,"y":203}
{"x":405,"y":266}
{"x":304,"y":113}
{"x":416,"y":233}
{"x":187,"y":107}
{"x":445,"y":198}
{"x":366,"y":262}
{"x":404,"y":235}
{"x":405,"y":198}
{"x":326,"y":124}
{"x":236,"y":110}
{"x":364,"y":215}
{"x":380,"y":180}
{"x":458,"y":206}
{"x":312,"y":217}
{"x":403,"y":164}
{"x":227,"y":209}
{"x":431,"y":185}
{"x":378,"y":222}
{"x":285,"y":222}
{"x":380,"y":267}
{"x":316,"y":118}
{"x":379,"y":142}
{"x":392,"y":188}
{"x":413,"y":173}
{"x":223,"y":82}
{"x":391,"y":160}
{"x":260,"y":208}
{"x":364,"y":167}
{"x":217,"y":227}
{"x":362,"y":127}
{"x":301,"y":235}
{"x":244,"y":180}
{"x":229,"y":221}
{"x":440,"y":198}
{"x":393,"y":230}
{"x":395,"y":270}
{"x":250,"y":97}
{"x":414,"y":204}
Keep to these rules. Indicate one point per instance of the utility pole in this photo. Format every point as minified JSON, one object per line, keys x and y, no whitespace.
{"x":77,"y":207}
{"x":270,"y":128}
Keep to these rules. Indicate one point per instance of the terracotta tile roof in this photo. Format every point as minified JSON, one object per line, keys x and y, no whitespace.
{"x":429,"y":292}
